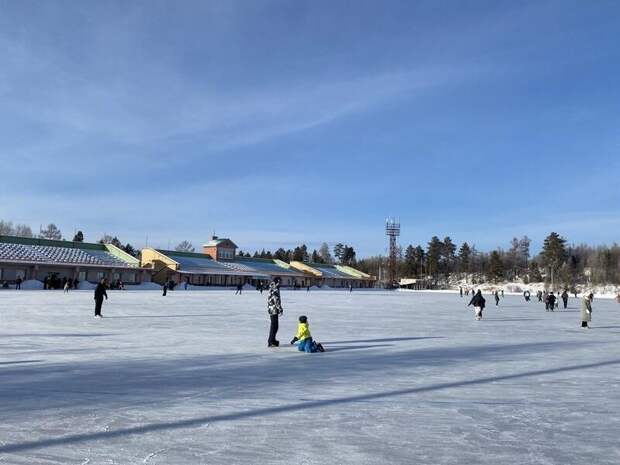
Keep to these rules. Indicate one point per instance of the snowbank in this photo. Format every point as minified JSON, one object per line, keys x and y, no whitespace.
{"x":31,"y":284}
{"x":86,"y":286}
{"x":602,"y":292}
{"x":147,"y":286}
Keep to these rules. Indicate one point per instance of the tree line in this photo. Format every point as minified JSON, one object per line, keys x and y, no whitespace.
{"x":558,"y":264}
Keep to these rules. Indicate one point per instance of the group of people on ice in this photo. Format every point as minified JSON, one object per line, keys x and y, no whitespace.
{"x":275,"y":310}
{"x":549,"y":298}
{"x":303,"y":338}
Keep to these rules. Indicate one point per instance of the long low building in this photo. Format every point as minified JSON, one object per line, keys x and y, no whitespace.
{"x":219,"y":265}
{"x":336,"y":275}
{"x":48,"y":260}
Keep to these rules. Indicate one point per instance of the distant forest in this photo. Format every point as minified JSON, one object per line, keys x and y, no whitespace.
{"x":559,"y":263}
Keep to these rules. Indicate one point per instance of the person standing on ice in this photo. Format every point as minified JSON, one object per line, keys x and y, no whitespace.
{"x":165,"y":288}
{"x":461,"y":291}
{"x":100,"y":293}
{"x":496,"y":295}
{"x":478,"y":302}
{"x":586,"y":310}
{"x":551,"y":298}
{"x":274,"y":308}
{"x":565,"y":298}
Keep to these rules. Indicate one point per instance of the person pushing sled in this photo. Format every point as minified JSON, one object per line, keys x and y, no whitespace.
{"x":306,"y":344}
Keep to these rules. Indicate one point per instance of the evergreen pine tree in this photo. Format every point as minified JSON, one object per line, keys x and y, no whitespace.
{"x":433,"y":256}
{"x":496,"y":267}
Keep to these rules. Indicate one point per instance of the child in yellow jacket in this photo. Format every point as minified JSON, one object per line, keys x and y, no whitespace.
{"x":306,"y":344}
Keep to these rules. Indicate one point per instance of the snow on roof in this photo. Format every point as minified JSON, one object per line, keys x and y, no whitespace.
{"x":58,"y":252}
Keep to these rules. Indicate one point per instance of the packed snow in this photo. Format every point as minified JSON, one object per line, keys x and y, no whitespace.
{"x":407,"y":378}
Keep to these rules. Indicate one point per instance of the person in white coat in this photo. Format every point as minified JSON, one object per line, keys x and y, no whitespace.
{"x":586,"y":310}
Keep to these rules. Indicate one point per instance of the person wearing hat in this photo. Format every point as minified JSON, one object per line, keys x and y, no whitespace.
{"x":274,"y":308}
{"x":478,"y":302}
{"x":306,"y":344}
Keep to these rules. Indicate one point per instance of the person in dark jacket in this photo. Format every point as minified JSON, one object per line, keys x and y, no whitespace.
{"x":551,"y":298}
{"x":100,"y":293}
{"x":165,"y":289}
{"x":539,"y":294}
{"x":496,"y":295}
{"x":478,"y":302}
{"x":18,"y":283}
{"x":274,"y":308}
{"x":565,"y":298}
{"x":526,"y":295}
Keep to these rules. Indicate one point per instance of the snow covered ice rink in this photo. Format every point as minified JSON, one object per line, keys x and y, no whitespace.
{"x":409,"y":378}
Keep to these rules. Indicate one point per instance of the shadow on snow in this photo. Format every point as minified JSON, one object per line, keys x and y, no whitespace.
{"x":199,"y":421}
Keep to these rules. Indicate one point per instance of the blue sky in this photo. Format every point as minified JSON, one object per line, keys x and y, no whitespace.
{"x":281,"y":122}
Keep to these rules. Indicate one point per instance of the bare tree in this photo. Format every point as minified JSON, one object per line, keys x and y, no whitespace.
{"x":51,"y":232}
{"x":6,"y":228}
{"x":23,"y":230}
{"x":185,"y":246}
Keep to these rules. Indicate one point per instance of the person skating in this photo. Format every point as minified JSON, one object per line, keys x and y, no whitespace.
{"x":461,"y":291}
{"x":496,"y":295}
{"x":274,"y":308}
{"x":526,"y":295}
{"x":502,"y":293}
{"x":565,"y":298}
{"x":67,"y":287}
{"x":100,"y":293}
{"x":239,"y":288}
{"x":306,"y":344}
{"x":18,"y":283}
{"x":478,"y":302}
{"x":165,"y":289}
{"x":551,"y":299}
{"x":586,"y":310}
{"x":539,"y":294}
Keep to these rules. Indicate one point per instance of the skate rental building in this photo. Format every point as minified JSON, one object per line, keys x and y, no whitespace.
{"x":44,"y":260}
{"x":25,"y":259}
{"x":218,"y":265}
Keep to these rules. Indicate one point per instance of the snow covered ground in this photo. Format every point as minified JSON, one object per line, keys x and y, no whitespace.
{"x":409,"y":378}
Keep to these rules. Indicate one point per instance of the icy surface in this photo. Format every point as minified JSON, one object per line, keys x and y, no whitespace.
{"x":409,"y":378}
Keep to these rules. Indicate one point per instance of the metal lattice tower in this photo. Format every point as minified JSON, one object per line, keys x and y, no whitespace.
{"x":392,"y":230}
